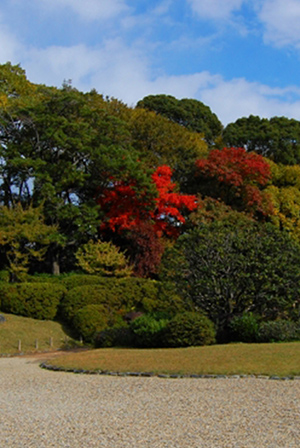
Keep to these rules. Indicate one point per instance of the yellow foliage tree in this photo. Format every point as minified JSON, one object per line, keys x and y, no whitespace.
{"x":104,"y":259}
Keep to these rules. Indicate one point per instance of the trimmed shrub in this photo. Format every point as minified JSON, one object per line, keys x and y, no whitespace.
{"x":148,"y":329}
{"x":81,"y":296}
{"x":122,"y":295}
{"x":36,"y":300}
{"x":244,"y":328}
{"x":44,"y":278}
{"x":117,"y":336}
{"x":279,"y":331}
{"x":75,"y":280}
{"x":89,"y":320}
{"x":190,"y":329}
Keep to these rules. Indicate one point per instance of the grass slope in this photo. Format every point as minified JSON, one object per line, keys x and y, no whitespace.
{"x":259,"y":359}
{"x":28,"y":331}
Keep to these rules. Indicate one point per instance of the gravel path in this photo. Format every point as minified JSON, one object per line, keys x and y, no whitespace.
{"x":40,"y":408}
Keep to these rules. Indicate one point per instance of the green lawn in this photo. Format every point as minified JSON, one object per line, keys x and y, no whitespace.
{"x":48,"y":335}
{"x":259,"y":359}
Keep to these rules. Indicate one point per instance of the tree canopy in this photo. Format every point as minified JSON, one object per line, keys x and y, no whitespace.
{"x":190,"y":113}
{"x":277,"y":138}
{"x":226,"y":271}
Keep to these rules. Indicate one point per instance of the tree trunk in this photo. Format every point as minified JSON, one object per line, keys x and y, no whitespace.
{"x":55,"y":261}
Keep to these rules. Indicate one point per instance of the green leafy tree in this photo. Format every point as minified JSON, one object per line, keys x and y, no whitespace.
{"x":190,"y":113}
{"x":226,"y":271}
{"x":163,"y":142}
{"x":277,"y":138}
{"x":24,"y":236}
{"x":57,"y":148}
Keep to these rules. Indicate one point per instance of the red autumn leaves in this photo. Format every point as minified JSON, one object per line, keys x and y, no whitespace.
{"x":237,"y":177}
{"x":125,"y":208}
{"x":233,"y":175}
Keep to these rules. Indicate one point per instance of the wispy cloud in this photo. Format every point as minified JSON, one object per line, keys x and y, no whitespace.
{"x":236,"y":98}
{"x":215,"y":9}
{"x":281,"y":21}
{"x":10,"y":47}
{"x":87,"y":9}
{"x":125,"y":73}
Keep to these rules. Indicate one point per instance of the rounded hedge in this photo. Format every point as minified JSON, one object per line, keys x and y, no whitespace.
{"x":75,"y":280}
{"x":117,"y":336}
{"x":190,"y":329}
{"x":122,"y":295}
{"x":36,"y":300}
{"x":244,"y":328}
{"x":89,"y":320}
{"x":148,"y":330}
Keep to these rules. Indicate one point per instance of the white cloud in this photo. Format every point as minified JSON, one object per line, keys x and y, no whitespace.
{"x":281,"y":20}
{"x":113,"y":69}
{"x":10,"y":48}
{"x":124,"y":73}
{"x":238,"y":98}
{"x":52,"y":65}
{"x":215,"y":9}
{"x":87,"y":9}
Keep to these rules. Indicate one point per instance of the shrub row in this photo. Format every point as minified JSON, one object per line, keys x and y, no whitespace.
{"x":248,"y":328}
{"x":122,"y":295}
{"x":158,"y":330}
{"x":39,"y":301}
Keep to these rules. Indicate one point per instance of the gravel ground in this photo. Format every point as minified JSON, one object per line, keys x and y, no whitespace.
{"x":40,"y":408}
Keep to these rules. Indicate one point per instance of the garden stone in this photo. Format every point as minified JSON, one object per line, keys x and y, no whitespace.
{"x":2,"y":319}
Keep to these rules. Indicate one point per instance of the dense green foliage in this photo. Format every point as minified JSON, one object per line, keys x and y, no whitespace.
{"x":189,"y":328}
{"x":89,"y":320}
{"x":119,"y":335}
{"x":279,"y":331}
{"x":227,"y":271}
{"x":244,"y":328}
{"x":123,"y":295}
{"x":148,"y":329}
{"x":189,"y":113}
{"x":36,"y":300}
{"x":277,"y":138}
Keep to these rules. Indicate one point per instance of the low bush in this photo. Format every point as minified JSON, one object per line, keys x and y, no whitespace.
{"x":279,"y":331}
{"x":89,"y":320}
{"x":36,"y":300}
{"x":122,"y":295}
{"x":244,"y":328}
{"x":189,"y":329}
{"x":117,"y":336}
{"x":44,"y":278}
{"x":81,"y":296}
{"x":148,"y":329}
{"x":75,"y":280}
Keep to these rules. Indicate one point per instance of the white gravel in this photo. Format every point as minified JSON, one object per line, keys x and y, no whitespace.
{"x":40,"y":408}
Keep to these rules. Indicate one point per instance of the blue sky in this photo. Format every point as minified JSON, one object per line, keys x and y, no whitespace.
{"x":239,"y":57}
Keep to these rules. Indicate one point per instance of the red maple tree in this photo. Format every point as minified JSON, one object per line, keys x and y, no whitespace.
{"x":237,"y":177}
{"x":124,"y":209}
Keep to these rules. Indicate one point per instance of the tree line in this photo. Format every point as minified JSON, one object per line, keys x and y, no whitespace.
{"x":160,"y":191}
